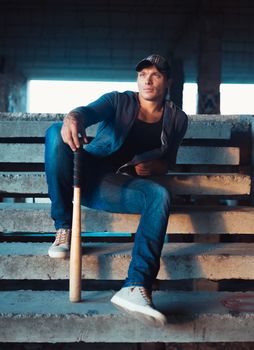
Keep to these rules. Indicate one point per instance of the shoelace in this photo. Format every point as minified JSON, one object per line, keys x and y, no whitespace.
{"x":62,"y":236}
{"x":146,"y":295}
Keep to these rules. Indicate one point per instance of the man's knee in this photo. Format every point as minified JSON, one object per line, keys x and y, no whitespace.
{"x":53,"y":136}
{"x":164,"y":194}
{"x":159,"y":194}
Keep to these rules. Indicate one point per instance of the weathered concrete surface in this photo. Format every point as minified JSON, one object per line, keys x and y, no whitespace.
{"x":94,"y":346}
{"x":13,"y":87}
{"x":129,"y":346}
{"x":18,"y":127}
{"x":34,"y":153}
{"x":178,"y":183}
{"x":111,"y":261}
{"x":200,"y":126}
{"x":27,"y":217}
{"x":29,"y":316}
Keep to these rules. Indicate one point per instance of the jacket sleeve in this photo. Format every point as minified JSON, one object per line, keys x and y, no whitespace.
{"x":180,"y":130}
{"x":99,"y":110}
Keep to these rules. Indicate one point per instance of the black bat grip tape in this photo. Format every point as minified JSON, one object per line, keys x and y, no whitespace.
{"x":76,"y":168}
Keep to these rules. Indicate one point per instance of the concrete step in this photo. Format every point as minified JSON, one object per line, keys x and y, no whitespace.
{"x":199,"y":127}
{"x":27,"y":217}
{"x":178,"y":183}
{"x":31,"y":316}
{"x":103,"y":261}
{"x":34,"y":153}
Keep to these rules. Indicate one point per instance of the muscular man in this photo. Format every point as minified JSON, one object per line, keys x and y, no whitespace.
{"x":136,"y":143}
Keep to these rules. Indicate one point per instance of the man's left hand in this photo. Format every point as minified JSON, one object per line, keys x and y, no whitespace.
{"x":152,"y":167}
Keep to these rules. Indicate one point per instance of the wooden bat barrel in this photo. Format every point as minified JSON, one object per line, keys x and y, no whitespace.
{"x":76,"y":248}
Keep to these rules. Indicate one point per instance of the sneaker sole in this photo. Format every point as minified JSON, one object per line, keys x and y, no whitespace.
{"x":59,"y":255}
{"x":155,"y":318}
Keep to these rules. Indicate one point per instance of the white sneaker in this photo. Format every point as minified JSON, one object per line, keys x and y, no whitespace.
{"x":61,"y":247}
{"x":138,"y":302}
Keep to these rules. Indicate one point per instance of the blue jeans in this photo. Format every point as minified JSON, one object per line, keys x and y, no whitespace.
{"x":102,"y":189}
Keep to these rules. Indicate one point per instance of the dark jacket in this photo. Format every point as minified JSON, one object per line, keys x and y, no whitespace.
{"x":116,"y":113}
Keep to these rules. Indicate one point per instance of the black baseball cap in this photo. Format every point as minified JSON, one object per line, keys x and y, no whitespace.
{"x":155,"y":60}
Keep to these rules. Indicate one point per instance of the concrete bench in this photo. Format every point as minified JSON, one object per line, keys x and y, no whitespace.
{"x":205,"y":283}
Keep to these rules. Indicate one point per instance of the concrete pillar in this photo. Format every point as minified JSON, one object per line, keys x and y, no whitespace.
{"x":13,"y":88}
{"x":209,"y":61}
{"x":176,"y":91}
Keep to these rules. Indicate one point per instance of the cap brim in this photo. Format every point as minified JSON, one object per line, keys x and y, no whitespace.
{"x":143,"y":64}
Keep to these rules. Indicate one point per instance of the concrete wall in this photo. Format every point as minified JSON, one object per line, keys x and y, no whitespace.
{"x":99,"y":39}
{"x":13,"y":89}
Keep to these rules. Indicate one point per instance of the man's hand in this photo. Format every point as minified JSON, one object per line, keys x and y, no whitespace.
{"x":72,"y":130}
{"x":152,"y":167}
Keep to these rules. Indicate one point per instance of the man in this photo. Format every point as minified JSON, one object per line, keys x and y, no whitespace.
{"x":136,"y":144}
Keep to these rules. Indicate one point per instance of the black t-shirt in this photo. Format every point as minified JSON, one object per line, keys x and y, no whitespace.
{"x":142,"y":137}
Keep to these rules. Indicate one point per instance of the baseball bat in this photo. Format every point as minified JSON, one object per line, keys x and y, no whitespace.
{"x":76,"y":248}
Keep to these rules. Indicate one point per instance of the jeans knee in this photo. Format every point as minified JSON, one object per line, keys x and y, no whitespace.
{"x":159,"y":195}
{"x":163,"y":195}
{"x":53,"y":136}
{"x":58,"y":155}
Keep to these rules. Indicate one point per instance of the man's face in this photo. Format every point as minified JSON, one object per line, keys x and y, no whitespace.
{"x":152,"y":84}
